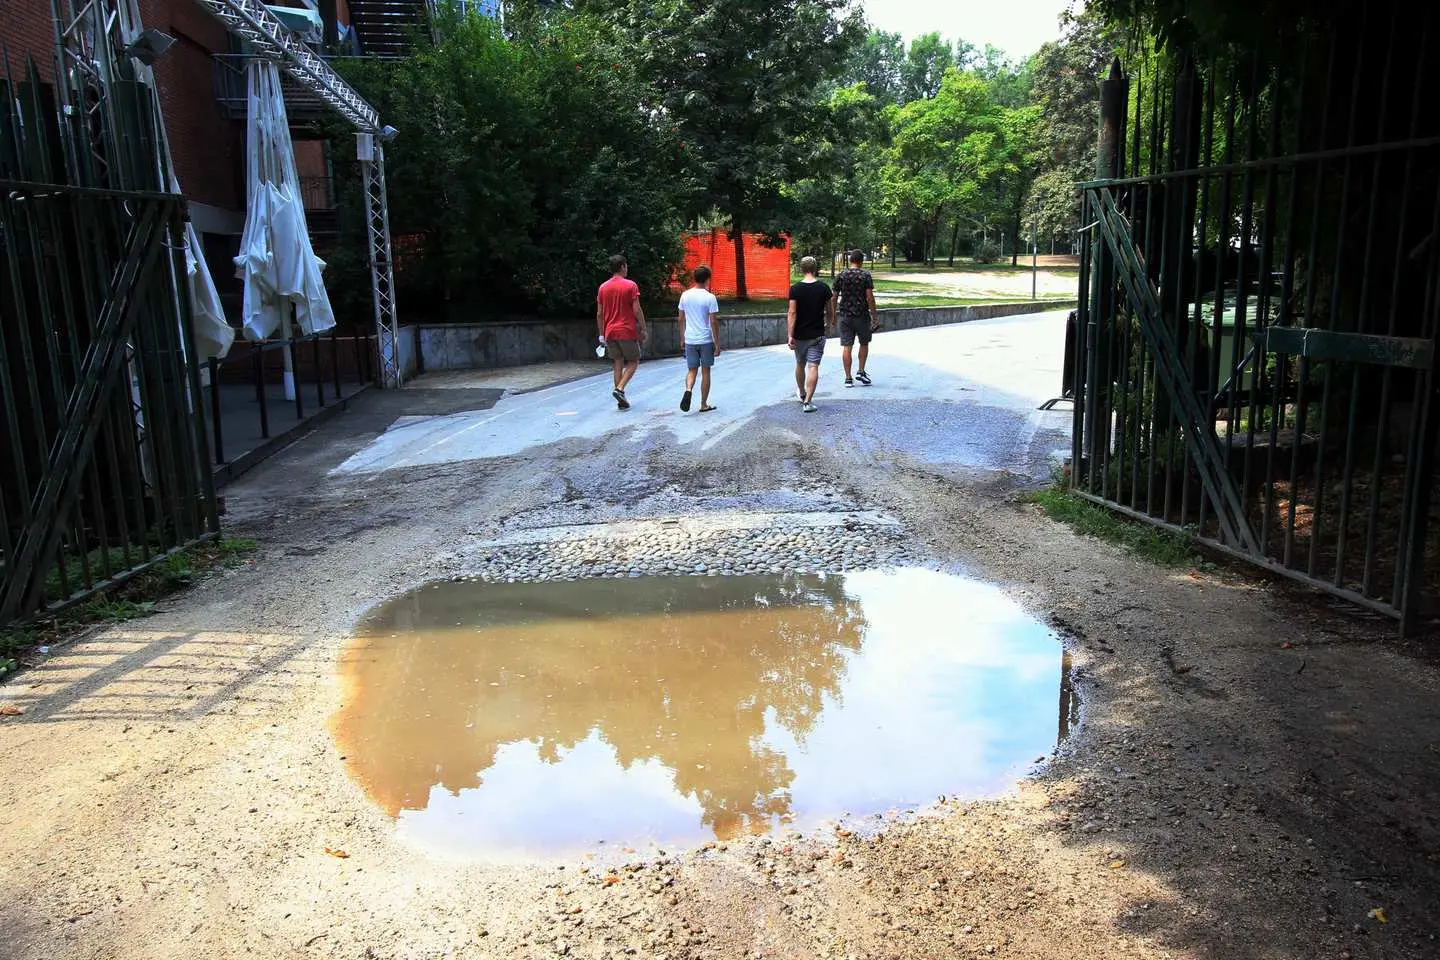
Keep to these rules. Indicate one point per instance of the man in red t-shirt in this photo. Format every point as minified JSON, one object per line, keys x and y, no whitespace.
{"x":621,"y":325}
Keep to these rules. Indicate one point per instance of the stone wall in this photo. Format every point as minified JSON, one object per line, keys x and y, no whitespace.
{"x":475,"y":346}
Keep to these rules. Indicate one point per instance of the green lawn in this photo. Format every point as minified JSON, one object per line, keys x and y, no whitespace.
{"x":911,"y":295}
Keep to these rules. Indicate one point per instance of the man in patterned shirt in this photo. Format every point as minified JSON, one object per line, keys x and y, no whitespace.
{"x":858,"y":318}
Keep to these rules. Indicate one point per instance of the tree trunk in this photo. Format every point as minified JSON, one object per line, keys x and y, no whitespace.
{"x":954,"y":239}
{"x":742,"y":291}
{"x":893,"y":235}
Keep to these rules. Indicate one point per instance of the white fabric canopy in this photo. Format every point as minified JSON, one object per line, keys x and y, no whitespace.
{"x":213,"y":334}
{"x":276,"y":261}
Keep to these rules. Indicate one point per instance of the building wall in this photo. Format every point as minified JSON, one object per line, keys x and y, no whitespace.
{"x":28,"y":29}
{"x":208,"y":149}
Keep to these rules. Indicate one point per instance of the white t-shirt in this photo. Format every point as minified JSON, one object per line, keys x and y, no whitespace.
{"x":697,"y":304}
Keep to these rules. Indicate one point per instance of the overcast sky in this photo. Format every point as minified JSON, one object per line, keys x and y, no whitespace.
{"x":1016,"y":26}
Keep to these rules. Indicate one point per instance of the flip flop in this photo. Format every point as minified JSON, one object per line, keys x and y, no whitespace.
{"x":707,"y":408}
{"x":685,"y":402}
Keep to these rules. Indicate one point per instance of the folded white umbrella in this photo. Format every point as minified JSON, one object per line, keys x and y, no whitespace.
{"x":281,"y":274}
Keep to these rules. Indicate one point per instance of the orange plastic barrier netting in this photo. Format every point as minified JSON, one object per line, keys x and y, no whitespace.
{"x":767,"y":269}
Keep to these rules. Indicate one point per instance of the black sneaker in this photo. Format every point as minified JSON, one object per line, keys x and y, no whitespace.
{"x":849,"y":382}
{"x":620,"y":400}
{"x":863,"y":377}
{"x":685,"y":402}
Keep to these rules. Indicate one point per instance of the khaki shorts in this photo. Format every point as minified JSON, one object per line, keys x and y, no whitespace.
{"x":626,"y":351}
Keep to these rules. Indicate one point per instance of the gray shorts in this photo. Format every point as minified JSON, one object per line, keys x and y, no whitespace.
{"x":699,"y":355}
{"x":809,"y":351}
{"x":855,"y":328}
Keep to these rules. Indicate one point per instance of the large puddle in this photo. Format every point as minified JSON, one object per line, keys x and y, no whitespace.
{"x":503,"y":721}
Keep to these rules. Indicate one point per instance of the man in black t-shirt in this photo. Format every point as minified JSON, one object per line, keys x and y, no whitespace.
{"x":812,"y":314}
{"x":858,"y":318}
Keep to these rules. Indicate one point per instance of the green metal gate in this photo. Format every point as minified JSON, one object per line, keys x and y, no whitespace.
{"x":1260,"y":292}
{"x":106,"y":467}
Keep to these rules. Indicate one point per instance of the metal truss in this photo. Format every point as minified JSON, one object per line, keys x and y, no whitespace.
{"x":382,"y":275}
{"x":269,"y":38}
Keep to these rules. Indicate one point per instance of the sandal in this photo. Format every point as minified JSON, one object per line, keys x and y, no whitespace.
{"x":706,"y":408}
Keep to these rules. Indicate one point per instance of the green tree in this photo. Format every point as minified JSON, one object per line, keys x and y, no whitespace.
{"x":877,"y":62}
{"x":925,"y":67}
{"x":1065,"y":86}
{"x":945,"y":155}
{"x":835,"y":202}
{"x":521,"y":165}
{"x":740,"y":79}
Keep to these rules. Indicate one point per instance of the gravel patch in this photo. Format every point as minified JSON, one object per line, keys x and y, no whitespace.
{"x":780,"y":545}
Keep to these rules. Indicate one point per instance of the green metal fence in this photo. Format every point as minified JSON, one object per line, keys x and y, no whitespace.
{"x":1260,"y":302}
{"x":102,"y":432}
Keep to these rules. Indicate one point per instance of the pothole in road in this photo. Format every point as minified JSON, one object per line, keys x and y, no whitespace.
{"x":514,"y":721}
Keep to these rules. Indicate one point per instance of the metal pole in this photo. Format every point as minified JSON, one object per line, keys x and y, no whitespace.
{"x":382,"y":277}
{"x":1114,"y":97}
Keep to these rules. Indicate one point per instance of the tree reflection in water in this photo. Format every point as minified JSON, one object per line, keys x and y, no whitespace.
{"x":680,"y":671}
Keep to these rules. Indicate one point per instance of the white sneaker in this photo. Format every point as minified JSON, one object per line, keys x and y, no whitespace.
{"x":809,"y":408}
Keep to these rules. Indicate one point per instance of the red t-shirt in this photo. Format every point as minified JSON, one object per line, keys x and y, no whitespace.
{"x":617,"y":298}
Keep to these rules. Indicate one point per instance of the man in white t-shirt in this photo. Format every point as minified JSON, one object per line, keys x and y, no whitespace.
{"x":700,"y":336}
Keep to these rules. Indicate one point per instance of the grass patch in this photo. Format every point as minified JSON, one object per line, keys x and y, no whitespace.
{"x":134,"y":598}
{"x":1158,"y":546}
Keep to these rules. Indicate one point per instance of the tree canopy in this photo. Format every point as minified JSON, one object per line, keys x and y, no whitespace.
{"x":528,"y":155}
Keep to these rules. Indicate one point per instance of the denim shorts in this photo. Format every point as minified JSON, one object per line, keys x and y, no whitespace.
{"x":699,"y":355}
{"x":809,"y":351}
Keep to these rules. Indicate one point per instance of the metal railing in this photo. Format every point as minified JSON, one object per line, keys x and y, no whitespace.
{"x":244,"y":415}
{"x":100,"y":422}
{"x":1260,"y":297}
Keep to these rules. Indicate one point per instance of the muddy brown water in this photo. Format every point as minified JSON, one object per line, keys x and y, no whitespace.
{"x":505,"y":721}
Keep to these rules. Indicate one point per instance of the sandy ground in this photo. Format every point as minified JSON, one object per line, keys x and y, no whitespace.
{"x":1257,"y":773}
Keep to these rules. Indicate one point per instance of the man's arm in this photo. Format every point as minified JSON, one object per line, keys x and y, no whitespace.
{"x":640,"y":319}
{"x":599,"y":319}
{"x":874,"y":310}
{"x":680,"y":318}
{"x":830,"y":315}
{"x":790,"y":320}
{"x":715,"y":332}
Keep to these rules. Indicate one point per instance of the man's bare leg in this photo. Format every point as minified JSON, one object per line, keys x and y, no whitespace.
{"x":704,"y":386}
{"x":812,"y":378}
{"x":619,"y":367}
{"x":864,"y":355}
{"x":690,"y":379}
{"x":800,"y":380}
{"x":627,"y":374}
{"x":845,"y":359}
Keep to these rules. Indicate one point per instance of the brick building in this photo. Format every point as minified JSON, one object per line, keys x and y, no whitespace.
{"x":202,"y":97}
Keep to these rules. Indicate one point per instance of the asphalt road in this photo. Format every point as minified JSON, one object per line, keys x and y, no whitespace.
{"x":965,"y":395}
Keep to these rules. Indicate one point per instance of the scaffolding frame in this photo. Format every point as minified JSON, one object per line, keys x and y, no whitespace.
{"x":269,"y":39}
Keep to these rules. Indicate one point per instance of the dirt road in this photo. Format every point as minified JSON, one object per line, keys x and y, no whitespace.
{"x":1257,"y":773}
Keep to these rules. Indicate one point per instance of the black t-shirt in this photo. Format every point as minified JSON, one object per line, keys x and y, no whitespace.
{"x":810,"y":300}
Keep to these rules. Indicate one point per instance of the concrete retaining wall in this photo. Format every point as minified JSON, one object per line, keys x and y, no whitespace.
{"x":471,"y":346}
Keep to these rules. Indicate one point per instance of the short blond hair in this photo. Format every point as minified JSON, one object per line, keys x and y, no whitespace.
{"x":809,"y":265}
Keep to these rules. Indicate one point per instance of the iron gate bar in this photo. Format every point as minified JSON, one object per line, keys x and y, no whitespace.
{"x":38,"y":543}
{"x":1253,"y":559}
{"x":1387,"y":377}
{"x":1201,"y":440}
{"x":1412,"y":353}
